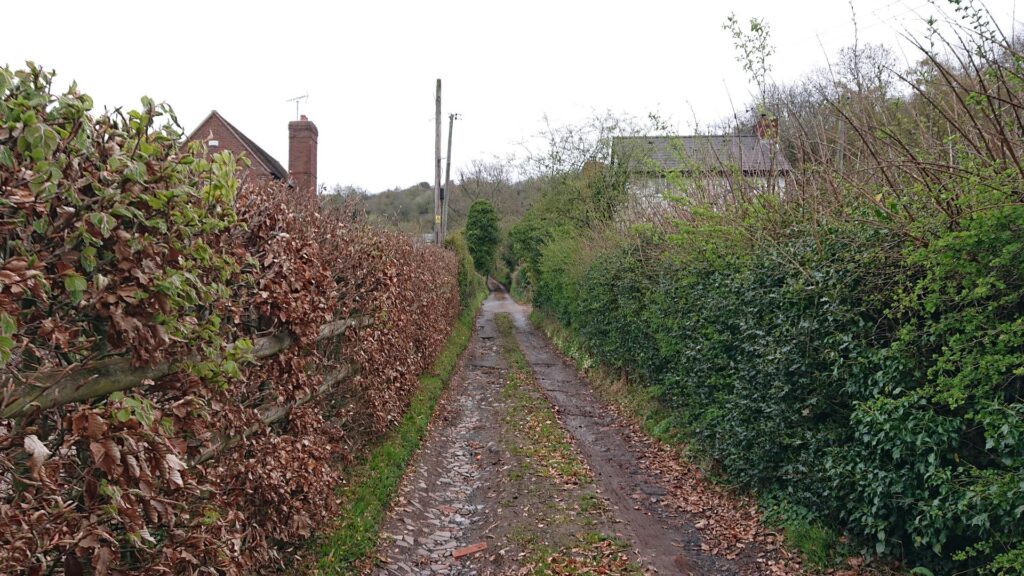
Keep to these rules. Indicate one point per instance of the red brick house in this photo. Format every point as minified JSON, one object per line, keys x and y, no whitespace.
{"x":219,"y":135}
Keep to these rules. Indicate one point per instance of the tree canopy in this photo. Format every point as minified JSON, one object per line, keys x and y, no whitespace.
{"x":483,"y":235}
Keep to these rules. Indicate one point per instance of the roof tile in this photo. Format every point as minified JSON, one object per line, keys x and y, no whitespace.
{"x":749,"y":154}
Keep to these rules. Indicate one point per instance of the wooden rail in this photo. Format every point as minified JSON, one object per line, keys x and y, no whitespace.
{"x":272,"y":412}
{"x":77,"y":383}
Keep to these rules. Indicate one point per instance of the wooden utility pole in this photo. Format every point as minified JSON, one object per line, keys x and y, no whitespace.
{"x":447,"y":179}
{"x":437,"y":165}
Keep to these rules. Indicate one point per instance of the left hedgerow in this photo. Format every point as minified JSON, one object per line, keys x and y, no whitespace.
{"x":121,"y":244}
{"x":106,"y":227}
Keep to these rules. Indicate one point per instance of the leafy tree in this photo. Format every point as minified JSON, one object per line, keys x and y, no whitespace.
{"x":483,"y":235}
{"x":754,"y":48}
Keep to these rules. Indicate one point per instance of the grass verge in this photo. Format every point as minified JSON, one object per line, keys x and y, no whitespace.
{"x":518,"y":288}
{"x":557,"y":539}
{"x":530,"y":417}
{"x":639,"y":401}
{"x":372,"y":484}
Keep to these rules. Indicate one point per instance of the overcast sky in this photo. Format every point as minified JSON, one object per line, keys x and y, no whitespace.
{"x":369,"y":67}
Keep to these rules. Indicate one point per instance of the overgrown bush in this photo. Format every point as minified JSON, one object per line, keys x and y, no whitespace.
{"x":483,"y":236}
{"x":119,"y":242}
{"x":853,"y":347}
{"x":470,"y":283}
{"x":806,"y":381}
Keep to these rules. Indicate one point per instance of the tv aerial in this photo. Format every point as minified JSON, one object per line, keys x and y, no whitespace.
{"x":298,"y":100}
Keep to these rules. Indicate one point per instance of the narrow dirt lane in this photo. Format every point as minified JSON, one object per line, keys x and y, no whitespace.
{"x":668,"y":542}
{"x":524,"y":471}
{"x":439,"y":501}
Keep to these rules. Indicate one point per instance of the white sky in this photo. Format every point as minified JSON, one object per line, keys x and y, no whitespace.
{"x":369,"y":67}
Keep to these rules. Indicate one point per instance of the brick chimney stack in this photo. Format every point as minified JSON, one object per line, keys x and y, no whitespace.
{"x":767,"y":128}
{"x":302,"y":137}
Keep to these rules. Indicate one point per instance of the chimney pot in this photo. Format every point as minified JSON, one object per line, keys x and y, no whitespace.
{"x":766,"y":128}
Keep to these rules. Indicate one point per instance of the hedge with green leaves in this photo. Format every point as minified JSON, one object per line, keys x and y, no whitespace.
{"x":851,"y":344}
{"x":470,"y":282}
{"x":879,"y":388}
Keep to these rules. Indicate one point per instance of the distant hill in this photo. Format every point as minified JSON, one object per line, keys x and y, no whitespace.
{"x":411,"y":209}
{"x":407,"y":209}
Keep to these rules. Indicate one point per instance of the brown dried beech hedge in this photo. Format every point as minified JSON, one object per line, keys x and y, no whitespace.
{"x":185,"y":363}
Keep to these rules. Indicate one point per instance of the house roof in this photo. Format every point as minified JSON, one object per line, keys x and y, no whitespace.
{"x":749,"y":154}
{"x":257,"y":154}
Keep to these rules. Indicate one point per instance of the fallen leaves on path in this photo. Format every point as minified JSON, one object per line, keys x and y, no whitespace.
{"x":603,"y":556}
{"x":730,"y":524}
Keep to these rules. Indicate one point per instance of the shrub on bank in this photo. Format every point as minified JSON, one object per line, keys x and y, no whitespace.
{"x":851,"y":343}
{"x":470,"y":282}
{"x":879,"y":388}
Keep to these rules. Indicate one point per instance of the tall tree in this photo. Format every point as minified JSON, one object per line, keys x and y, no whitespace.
{"x":483,"y":235}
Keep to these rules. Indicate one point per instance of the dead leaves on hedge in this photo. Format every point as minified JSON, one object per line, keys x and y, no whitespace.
{"x":119,"y":241}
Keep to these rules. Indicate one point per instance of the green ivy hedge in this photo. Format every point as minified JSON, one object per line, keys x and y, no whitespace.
{"x":871,"y":380}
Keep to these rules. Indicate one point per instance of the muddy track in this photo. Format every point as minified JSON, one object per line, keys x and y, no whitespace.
{"x":466,"y":486}
{"x":440,"y":505}
{"x":666,"y":542}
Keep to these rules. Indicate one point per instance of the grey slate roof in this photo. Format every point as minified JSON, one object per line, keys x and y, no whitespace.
{"x":716,"y":154}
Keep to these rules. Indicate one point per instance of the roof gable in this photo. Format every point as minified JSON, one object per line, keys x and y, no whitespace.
{"x":256,"y":154}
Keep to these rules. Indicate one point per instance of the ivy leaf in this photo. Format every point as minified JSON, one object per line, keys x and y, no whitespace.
{"x":88,"y":258}
{"x":104,"y":222}
{"x":76,"y":286}
{"x":7,"y":324}
{"x":6,"y":159}
{"x":6,"y":344}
